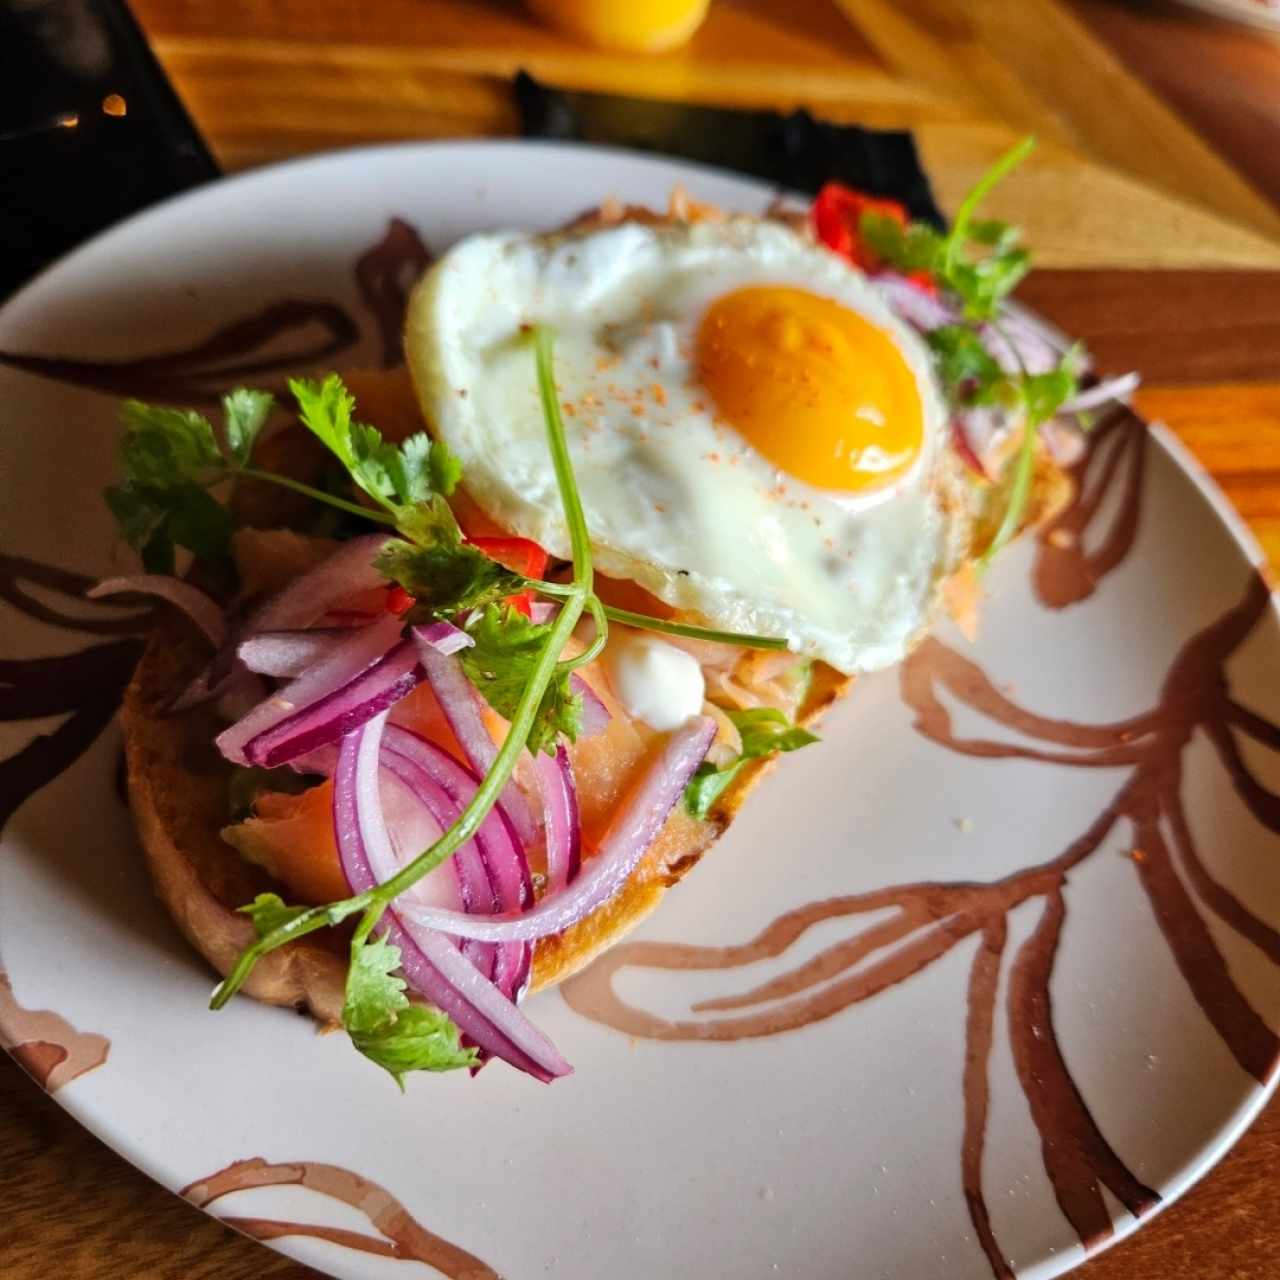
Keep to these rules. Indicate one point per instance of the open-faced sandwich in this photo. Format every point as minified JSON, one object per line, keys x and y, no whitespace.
{"x":442,"y":713}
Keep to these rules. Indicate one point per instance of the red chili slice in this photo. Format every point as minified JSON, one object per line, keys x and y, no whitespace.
{"x":837,"y":219}
{"x":520,"y":555}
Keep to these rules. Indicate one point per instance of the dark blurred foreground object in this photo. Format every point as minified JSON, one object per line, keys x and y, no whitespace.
{"x":793,"y":151}
{"x":90,"y":129}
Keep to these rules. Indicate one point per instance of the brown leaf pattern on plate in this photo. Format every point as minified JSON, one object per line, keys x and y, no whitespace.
{"x":48,"y":1046}
{"x":384,"y":275}
{"x":930,"y":918}
{"x":87,"y":684}
{"x":400,"y":1234}
{"x":308,"y":331}
{"x":1067,"y":568}
{"x":299,"y":332}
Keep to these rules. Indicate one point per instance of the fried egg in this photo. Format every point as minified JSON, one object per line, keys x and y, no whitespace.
{"x":757,"y":439}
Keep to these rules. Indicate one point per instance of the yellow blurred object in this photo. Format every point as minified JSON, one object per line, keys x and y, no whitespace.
{"x":632,"y":26}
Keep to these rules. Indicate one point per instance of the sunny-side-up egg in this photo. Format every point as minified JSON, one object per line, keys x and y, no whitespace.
{"x":756,"y":438}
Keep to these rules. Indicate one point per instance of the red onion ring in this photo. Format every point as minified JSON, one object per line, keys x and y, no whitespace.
{"x":461,"y":703}
{"x":207,"y":615}
{"x":633,"y":830}
{"x":595,"y":715}
{"x":443,"y":637}
{"x":430,"y":962}
{"x":474,"y":887}
{"x":560,"y":818}
{"x":364,"y":647}
{"x":379,"y":686}
{"x":1117,"y":389}
{"x":287,"y":654}
{"x":449,"y":787}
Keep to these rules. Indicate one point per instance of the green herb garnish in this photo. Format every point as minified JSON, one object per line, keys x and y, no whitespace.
{"x":506,"y":649}
{"x":388,"y":1029}
{"x":980,"y":263}
{"x":765,"y":731}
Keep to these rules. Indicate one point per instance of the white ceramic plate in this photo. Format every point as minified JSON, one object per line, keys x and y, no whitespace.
{"x":1251,"y":12}
{"x":1020,"y":925}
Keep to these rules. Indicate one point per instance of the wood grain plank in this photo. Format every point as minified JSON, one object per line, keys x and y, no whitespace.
{"x":748,"y":52}
{"x":73,"y":1208}
{"x":1176,"y":327}
{"x":1074,"y":88}
{"x":1222,"y":78}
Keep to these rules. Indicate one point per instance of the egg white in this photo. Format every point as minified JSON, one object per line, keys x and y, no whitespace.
{"x":675,"y":500}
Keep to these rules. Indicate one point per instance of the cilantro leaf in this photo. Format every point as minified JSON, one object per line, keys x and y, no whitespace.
{"x":398,"y":1036}
{"x":268,"y":912}
{"x":764,"y":731}
{"x":506,"y":650}
{"x":155,"y":519}
{"x":1045,"y":392}
{"x":969,"y":373}
{"x":374,"y":994}
{"x":915,"y":247}
{"x":163,"y":447}
{"x":199,"y":522}
{"x":443,"y":573}
{"x":421,"y":1038}
{"x":444,"y":467}
{"x":245,"y":413}
{"x":396,"y":477}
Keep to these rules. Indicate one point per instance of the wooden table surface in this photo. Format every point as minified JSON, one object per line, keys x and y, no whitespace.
{"x":1152,"y":200}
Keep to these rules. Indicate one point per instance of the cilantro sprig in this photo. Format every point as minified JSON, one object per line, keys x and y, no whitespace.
{"x":765,"y":731}
{"x":979,"y":263}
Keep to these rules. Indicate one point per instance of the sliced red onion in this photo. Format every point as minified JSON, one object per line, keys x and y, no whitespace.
{"x":560,"y":817}
{"x":346,"y":573}
{"x":443,"y":637}
{"x":542,"y":611}
{"x":919,"y":309}
{"x":473,"y":889}
{"x":286,"y":654}
{"x":632,"y":831}
{"x":1017,"y":345}
{"x":206,"y":614}
{"x":595,"y":715}
{"x":1108,"y":391}
{"x":461,"y":704}
{"x":430,"y":962}
{"x":378,"y":687}
{"x":492,"y":867}
{"x":497,"y":841}
{"x":364,"y":647}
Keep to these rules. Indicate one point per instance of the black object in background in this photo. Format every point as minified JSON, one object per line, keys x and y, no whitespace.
{"x":90,"y":129}
{"x":793,"y":151}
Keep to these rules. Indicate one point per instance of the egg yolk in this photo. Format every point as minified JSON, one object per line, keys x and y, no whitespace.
{"x":820,"y":391}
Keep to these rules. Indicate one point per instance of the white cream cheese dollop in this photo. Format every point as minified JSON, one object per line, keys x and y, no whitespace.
{"x":654,"y":681}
